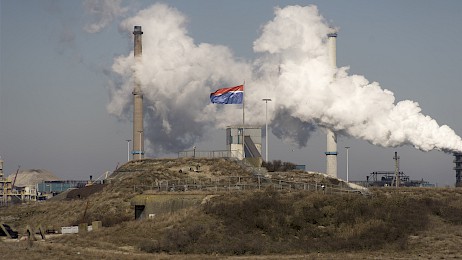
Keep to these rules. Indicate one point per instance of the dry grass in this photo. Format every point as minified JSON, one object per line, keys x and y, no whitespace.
{"x":405,"y":223}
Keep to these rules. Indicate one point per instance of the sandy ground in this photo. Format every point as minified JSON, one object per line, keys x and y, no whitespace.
{"x":48,"y":249}
{"x":440,"y":241}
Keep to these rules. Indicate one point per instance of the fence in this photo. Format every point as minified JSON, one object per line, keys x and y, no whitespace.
{"x":209,"y":154}
{"x":239,"y":183}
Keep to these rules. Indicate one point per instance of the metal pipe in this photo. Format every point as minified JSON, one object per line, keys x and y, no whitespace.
{"x":347,"y":148}
{"x":266,"y":125}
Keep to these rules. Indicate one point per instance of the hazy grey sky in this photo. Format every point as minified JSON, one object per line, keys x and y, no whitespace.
{"x":55,"y":76}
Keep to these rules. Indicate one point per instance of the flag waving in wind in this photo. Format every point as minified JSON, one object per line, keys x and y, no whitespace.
{"x":233,"y":95}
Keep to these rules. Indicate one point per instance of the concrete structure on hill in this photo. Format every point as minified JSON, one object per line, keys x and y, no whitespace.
{"x":149,"y":206}
{"x":252,"y":142}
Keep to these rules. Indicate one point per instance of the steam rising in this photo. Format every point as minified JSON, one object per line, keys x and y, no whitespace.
{"x":177,"y":76}
{"x":102,"y":12}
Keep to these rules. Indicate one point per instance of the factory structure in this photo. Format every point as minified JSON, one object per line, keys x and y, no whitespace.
{"x":243,"y":142}
{"x":239,"y":145}
{"x":249,"y":145}
{"x":5,"y":187}
{"x":34,"y":185}
{"x":458,"y":168}
{"x":331,"y":149}
{"x":138,"y":130}
{"x":394,"y":178}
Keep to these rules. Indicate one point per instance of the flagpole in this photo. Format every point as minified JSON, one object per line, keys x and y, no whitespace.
{"x":243,"y":120}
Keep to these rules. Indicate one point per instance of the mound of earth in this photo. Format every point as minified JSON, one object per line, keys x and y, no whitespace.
{"x":32,"y":177}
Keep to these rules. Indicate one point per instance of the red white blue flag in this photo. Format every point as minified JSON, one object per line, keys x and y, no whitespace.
{"x":233,"y":95}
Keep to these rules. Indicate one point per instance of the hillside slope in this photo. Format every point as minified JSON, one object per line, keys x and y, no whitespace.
{"x":388,"y":223}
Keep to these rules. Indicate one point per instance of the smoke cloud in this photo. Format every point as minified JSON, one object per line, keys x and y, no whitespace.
{"x":102,"y":13}
{"x":177,"y":76}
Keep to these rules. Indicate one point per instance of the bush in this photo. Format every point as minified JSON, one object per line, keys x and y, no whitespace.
{"x":332,"y":222}
{"x":271,"y":222}
{"x":278,"y":166}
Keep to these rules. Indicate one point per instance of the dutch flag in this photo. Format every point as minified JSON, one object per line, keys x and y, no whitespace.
{"x":233,"y":95}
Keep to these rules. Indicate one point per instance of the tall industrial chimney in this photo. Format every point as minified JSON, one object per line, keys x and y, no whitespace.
{"x":458,"y":168}
{"x":396,"y":180}
{"x":138,"y":132}
{"x":1,"y":168}
{"x":331,"y":150}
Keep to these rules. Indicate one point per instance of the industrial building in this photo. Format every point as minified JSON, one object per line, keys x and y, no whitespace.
{"x":242,"y":142}
{"x":458,"y":168}
{"x":47,"y":189}
{"x":5,"y":187}
{"x":32,"y":185}
{"x":252,"y":143}
{"x":394,"y":178}
{"x":11,"y":192}
{"x":388,"y":179}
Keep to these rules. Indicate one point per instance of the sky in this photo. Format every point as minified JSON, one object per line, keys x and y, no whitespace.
{"x":65,"y":79}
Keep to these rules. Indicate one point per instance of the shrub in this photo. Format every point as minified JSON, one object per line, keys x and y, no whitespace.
{"x":278,"y":166}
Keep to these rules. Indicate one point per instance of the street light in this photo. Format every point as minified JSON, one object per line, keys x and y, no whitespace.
{"x":347,"y":147}
{"x":128,"y":149}
{"x":266,"y":126}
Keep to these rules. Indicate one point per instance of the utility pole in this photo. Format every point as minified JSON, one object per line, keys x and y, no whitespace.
{"x":347,"y":147}
{"x":266,"y":128}
{"x":128,"y":149}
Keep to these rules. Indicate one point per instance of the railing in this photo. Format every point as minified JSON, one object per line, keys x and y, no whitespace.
{"x":209,"y":154}
{"x":239,"y":183}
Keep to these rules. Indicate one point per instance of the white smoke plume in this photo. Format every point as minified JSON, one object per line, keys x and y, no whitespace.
{"x":102,"y":13}
{"x":177,"y":76}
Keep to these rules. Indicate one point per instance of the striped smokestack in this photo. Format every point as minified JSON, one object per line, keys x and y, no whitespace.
{"x":138,"y":133}
{"x":331,"y":150}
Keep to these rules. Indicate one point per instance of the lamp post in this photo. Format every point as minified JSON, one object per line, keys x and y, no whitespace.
{"x":347,"y":147}
{"x":128,"y":149}
{"x":266,"y":127}
{"x":141,"y":141}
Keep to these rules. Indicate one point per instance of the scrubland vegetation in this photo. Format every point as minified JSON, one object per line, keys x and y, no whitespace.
{"x":387,"y":223}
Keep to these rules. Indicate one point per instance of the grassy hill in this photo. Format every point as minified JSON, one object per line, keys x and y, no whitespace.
{"x":270,"y":222}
